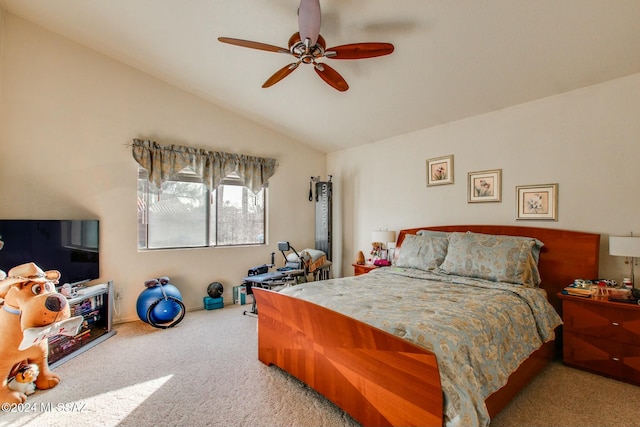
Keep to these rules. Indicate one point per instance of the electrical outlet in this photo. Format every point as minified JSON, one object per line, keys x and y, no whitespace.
{"x":118,"y":293}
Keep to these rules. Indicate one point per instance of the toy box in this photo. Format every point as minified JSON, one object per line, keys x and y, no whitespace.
{"x":213,"y":303}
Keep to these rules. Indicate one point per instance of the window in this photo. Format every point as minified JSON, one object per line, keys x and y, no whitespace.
{"x":187,"y":215}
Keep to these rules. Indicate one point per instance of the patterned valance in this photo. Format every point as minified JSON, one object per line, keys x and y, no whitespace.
{"x":165,"y":162}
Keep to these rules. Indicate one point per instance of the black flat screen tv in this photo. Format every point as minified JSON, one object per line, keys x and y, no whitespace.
{"x":69,"y":246}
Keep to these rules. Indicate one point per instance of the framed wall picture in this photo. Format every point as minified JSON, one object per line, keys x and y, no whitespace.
{"x":440,"y":170}
{"x":485,"y":186}
{"x":537,"y":201}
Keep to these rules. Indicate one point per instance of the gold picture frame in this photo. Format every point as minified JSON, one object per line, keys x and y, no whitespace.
{"x":440,"y":170}
{"x":539,"y":202}
{"x":484,"y":186}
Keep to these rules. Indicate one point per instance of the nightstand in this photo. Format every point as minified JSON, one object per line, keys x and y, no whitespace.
{"x":359,"y":269}
{"x":602,"y":337}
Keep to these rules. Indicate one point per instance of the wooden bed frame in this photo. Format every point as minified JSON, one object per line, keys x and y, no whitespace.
{"x":380,"y":379}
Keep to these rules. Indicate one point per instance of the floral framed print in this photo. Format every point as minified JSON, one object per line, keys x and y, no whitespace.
{"x":537,"y":201}
{"x":440,"y":170}
{"x":485,"y":186}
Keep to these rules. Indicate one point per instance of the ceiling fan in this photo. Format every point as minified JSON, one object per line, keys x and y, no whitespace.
{"x":308,"y":46}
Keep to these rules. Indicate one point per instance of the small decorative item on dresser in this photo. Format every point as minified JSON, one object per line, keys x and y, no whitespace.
{"x":619,"y":293}
{"x":602,"y":292}
{"x":380,"y":242}
{"x":360,"y":258}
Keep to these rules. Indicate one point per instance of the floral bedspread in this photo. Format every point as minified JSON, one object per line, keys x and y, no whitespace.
{"x":480,"y":331}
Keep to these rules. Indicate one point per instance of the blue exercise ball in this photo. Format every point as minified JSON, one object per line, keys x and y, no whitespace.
{"x":164,"y":311}
{"x":159,"y":305}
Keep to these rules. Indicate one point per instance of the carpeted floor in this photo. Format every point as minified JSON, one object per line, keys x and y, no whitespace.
{"x":205,"y":372}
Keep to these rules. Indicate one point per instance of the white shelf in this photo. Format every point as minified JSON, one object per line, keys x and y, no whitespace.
{"x":98,"y":331}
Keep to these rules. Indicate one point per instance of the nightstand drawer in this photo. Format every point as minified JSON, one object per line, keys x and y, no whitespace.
{"x":630,"y":369}
{"x":591,"y":353}
{"x":612,"y":323}
{"x":602,"y":356}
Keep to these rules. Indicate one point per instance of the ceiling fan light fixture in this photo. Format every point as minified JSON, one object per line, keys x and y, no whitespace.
{"x":309,"y":20}
{"x":307,"y":46}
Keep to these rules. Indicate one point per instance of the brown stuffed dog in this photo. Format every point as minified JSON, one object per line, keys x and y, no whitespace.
{"x":30,"y":300}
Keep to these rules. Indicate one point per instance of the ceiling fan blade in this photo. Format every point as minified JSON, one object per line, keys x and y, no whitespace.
{"x":280,"y":74}
{"x":309,"y":20}
{"x":359,"y":50}
{"x":253,"y":45}
{"x":331,"y":77}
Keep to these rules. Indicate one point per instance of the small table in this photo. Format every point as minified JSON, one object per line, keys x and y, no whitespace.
{"x":359,"y":269}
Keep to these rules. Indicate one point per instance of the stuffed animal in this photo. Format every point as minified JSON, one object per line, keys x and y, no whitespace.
{"x":30,"y":304}
{"x":24,"y":381}
{"x":376,"y":248}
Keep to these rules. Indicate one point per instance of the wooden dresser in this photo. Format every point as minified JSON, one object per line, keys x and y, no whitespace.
{"x":602,"y":337}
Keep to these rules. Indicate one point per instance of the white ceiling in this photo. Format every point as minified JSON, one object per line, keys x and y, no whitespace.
{"x":453,"y":58}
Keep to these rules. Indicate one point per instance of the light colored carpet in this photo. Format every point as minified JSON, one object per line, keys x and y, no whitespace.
{"x":205,"y":372}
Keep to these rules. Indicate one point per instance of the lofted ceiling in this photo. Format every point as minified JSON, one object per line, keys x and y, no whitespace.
{"x":453,"y":58}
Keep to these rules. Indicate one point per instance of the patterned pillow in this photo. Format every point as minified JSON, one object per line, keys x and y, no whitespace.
{"x":433,"y":233}
{"x":422,"y":252}
{"x":493,"y":257}
{"x":535,"y":249}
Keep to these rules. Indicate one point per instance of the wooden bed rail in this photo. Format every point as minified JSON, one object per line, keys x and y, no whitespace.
{"x":374,"y":376}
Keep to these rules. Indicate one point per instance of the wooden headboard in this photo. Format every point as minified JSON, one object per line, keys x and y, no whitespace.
{"x":565,"y":256}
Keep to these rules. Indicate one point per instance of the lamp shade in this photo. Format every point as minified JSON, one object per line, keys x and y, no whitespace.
{"x":624,"y":246}
{"x":383,"y":236}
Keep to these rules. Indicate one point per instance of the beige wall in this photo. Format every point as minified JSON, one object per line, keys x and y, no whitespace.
{"x":67,"y":114}
{"x":587,"y":141}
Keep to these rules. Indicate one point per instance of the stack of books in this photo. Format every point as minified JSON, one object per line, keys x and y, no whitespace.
{"x":576,"y":291}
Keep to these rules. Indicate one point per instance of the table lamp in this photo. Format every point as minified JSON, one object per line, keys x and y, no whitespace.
{"x":626,"y":246}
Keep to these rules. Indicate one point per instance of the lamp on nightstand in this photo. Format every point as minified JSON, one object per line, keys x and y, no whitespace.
{"x":626,"y":246}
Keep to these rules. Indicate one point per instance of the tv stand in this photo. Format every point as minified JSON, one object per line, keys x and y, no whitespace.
{"x":95,"y":304}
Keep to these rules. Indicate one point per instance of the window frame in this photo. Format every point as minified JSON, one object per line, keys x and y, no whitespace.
{"x":211,"y":212}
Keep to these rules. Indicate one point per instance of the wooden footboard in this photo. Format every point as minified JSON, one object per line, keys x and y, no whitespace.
{"x":375,"y":377}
